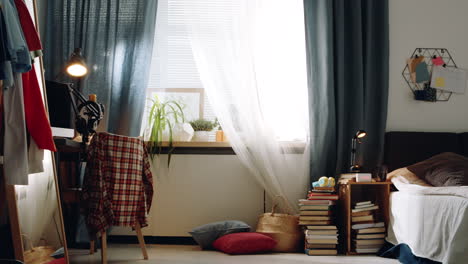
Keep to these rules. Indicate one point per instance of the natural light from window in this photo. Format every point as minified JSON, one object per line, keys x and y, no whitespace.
{"x":174,"y":73}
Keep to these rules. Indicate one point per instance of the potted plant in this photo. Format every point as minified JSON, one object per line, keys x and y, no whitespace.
{"x":202,"y":128}
{"x":163,"y":117}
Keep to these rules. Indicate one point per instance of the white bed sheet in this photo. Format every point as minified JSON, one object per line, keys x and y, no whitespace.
{"x":433,"y":226}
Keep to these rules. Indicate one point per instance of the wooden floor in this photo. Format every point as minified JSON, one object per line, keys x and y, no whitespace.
{"x":178,"y":254}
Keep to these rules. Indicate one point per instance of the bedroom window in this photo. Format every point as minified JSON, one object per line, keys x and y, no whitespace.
{"x":173,"y":73}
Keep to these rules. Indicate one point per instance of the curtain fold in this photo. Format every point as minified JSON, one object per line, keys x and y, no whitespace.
{"x":347,"y":52}
{"x":253,"y":68}
{"x":116,"y":38}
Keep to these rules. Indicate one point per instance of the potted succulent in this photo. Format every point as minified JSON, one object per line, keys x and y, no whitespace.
{"x":202,"y":128}
{"x":163,"y":117}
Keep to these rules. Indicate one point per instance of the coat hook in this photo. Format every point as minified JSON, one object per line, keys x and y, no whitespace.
{"x":442,"y":50}
{"x":445,"y":65}
{"x":434,"y":56}
{"x":416,"y":56}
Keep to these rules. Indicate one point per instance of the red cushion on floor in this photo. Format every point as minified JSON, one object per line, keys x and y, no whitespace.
{"x":57,"y":261}
{"x":244,"y":243}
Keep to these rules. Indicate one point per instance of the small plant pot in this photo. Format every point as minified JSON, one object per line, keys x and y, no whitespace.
{"x":182,"y":132}
{"x":201,"y":136}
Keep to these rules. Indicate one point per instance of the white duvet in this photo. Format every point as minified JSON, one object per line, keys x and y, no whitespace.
{"x":432,"y":221}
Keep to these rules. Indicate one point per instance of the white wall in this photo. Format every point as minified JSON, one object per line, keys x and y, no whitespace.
{"x":431,"y":24}
{"x":200,"y":189}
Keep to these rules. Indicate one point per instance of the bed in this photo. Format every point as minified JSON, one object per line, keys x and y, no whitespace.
{"x":432,"y":221}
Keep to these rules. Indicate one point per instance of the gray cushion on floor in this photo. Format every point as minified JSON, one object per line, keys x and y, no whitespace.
{"x":205,"y":235}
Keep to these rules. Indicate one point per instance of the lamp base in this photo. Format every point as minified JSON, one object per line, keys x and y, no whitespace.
{"x":355,"y":168}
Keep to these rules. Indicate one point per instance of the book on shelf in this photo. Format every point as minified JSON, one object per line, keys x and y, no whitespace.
{"x":307,"y":245}
{"x":364,"y":206}
{"x":320,"y":232}
{"x":367,"y":250}
{"x":322,"y":197}
{"x":321,"y":192}
{"x":364,"y":218}
{"x":363,"y":203}
{"x":321,"y":227}
{"x":309,"y":222}
{"x":368,"y":246}
{"x":375,"y":207}
{"x":314,"y":218}
{"x":320,"y":252}
{"x":368,"y":225}
{"x":330,"y":189}
{"x":370,"y":236}
{"x":371,"y":230}
{"x":361,"y":213}
{"x":315,"y":202}
{"x":322,"y":236}
{"x":369,"y":241}
{"x":315,"y":207}
{"x":322,"y":241}
{"x":301,"y":213}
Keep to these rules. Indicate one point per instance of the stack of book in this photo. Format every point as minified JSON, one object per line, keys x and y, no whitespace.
{"x":316,"y":216}
{"x":368,"y":234}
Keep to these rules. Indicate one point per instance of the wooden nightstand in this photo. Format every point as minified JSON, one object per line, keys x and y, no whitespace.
{"x":350,"y":194}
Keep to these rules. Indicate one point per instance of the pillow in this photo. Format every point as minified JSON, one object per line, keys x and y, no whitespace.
{"x":244,"y":243}
{"x":445,"y":169}
{"x":205,"y":235}
{"x":408,"y":175}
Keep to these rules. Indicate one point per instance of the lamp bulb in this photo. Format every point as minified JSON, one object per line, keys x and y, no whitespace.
{"x":77,"y":70}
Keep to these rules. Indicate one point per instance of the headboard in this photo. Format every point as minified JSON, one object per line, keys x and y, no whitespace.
{"x":406,"y":148}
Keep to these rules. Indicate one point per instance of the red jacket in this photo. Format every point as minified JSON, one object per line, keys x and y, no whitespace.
{"x":37,"y":121}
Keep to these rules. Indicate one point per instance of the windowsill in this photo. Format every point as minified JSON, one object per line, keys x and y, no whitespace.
{"x":188,"y":148}
{"x":197,"y":144}
{"x":220,"y":148}
{"x":197,"y":148}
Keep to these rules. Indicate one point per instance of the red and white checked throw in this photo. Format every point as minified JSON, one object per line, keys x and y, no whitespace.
{"x":118,"y":185}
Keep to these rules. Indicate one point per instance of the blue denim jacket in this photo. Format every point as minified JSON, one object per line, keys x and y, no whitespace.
{"x":15,"y":43}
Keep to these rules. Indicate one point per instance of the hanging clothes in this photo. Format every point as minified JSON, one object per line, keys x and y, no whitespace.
{"x":118,"y":185}
{"x":15,"y":147}
{"x":16,"y":44}
{"x":36,"y":117}
{"x":29,"y":30}
{"x":4,"y":58}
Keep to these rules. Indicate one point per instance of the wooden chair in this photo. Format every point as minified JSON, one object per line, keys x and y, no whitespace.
{"x":141,"y":241}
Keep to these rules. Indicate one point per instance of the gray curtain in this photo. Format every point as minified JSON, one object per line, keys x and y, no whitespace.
{"x":116,"y":37}
{"x":347,"y":53}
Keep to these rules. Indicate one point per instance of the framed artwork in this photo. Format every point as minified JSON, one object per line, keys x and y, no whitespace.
{"x":192,"y":100}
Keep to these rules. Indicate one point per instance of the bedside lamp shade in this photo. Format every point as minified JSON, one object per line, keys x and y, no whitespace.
{"x":356,"y":139}
{"x":76,"y":66}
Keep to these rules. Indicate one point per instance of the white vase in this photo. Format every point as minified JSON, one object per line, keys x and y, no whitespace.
{"x":182,"y":132}
{"x":201,"y":136}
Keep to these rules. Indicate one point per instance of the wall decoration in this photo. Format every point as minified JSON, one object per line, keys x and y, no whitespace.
{"x":422,"y":64}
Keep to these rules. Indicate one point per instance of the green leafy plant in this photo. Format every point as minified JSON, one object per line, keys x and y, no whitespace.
{"x":202,"y":125}
{"x":163,"y":116}
{"x":217,"y":124}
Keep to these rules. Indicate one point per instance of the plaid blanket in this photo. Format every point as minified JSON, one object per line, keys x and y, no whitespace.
{"x":118,"y":185}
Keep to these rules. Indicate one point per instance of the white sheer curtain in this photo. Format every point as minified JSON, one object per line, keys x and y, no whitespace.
{"x":251,"y":58}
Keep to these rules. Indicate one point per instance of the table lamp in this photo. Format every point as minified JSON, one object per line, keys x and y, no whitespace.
{"x":76,"y":65}
{"x":356,"y":139}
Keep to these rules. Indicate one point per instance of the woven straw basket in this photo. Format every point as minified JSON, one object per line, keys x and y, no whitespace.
{"x":284,"y":228}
